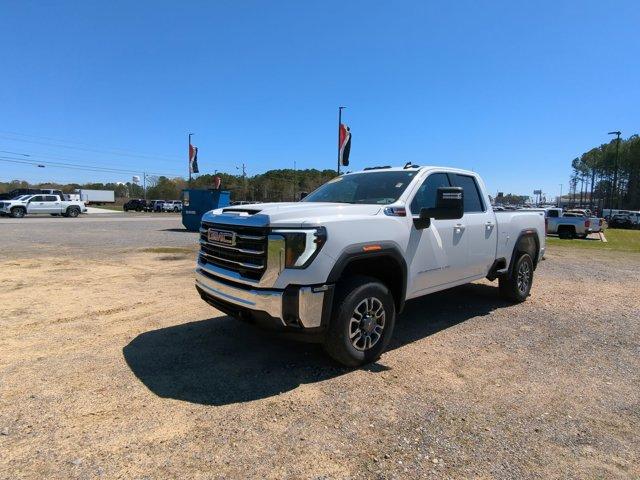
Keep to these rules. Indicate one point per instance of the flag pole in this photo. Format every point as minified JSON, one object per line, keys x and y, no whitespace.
{"x":339,"y":125}
{"x":189,"y":159}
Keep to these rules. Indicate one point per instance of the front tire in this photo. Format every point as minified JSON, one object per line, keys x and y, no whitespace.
{"x":515,"y":286}
{"x":364,"y":316}
{"x":18,"y":212}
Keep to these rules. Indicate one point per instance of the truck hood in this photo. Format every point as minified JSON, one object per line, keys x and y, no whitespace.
{"x":292,"y":214}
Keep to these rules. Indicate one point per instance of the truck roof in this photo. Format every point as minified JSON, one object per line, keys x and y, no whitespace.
{"x":415,"y":168}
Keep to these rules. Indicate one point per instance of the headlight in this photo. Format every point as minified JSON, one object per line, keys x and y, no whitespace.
{"x":302,"y":245}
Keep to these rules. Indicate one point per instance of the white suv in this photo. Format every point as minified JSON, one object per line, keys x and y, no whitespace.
{"x":172,"y":206}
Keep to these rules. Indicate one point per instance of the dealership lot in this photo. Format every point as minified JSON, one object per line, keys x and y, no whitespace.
{"x":112,"y":366}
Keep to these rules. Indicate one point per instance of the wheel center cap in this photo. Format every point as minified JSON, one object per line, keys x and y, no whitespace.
{"x":367,"y":324}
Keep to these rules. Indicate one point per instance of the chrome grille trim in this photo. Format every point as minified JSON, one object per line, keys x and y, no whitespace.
{"x":241,"y":264}
{"x":241,"y":250}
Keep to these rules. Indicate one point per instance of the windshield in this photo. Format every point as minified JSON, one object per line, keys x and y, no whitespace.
{"x":379,"y":188}
{"x":21,"y":197}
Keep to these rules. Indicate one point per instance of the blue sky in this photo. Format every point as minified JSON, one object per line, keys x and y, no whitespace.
{"x":513,"y":90}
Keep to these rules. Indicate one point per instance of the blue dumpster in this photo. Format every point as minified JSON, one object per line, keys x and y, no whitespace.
{"x":197,"y":202}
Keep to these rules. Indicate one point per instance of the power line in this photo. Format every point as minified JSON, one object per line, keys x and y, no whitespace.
{"x":15,"y":153}
{"x":88,"y":148}
{"x":85,"y":147}
{"x":89,"y":168}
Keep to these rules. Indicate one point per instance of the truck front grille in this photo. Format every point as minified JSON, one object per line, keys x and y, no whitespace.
{"x":247,"y":254}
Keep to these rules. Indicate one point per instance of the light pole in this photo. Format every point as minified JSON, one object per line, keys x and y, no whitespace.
{"x":615,"y":172}
{"x":560,"y":200}
{"x":339,"y":125}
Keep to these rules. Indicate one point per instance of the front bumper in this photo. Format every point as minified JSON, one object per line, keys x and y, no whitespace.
{"x":294,"y":308}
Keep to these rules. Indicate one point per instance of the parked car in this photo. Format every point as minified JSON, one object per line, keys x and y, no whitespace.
{"x":621,"y":221}
{"x":172,"y":206}
{"x":137,"y":204}
{"x":41,"y":204}
{"x":339,"y":265}
{"x":12,"y":194}
{"x":155,"y":206}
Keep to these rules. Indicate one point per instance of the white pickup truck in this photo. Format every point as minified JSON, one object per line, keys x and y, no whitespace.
{"x":41,"y":204}
{"x":571,"y":224}
{"x":338,"y":266}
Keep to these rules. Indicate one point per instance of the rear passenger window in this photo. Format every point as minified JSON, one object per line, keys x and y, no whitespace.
{"x":472,"y":200}
{"x":50,"y":198}
{"x":426,"y":194}
{"x":38,"y":198}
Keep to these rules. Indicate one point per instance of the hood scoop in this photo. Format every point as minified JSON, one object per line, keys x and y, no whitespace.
{"x":240,"y":211}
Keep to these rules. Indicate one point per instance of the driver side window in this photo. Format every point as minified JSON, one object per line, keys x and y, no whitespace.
{"x":427,"y":193}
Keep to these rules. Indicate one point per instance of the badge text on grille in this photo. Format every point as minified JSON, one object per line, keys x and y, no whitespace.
{"x":222,"y":237}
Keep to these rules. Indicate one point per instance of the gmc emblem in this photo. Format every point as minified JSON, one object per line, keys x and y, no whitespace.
{"x":222,"y":237}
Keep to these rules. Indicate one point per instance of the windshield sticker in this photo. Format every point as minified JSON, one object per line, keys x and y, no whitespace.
{"x":399,"y":184}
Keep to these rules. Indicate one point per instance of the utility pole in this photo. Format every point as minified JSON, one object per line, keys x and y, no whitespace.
{"x":615,"y":173}
{"x":339,"y":125}
{"x":560,"y":200}
{"x":244,"y":181}
{"x":144,"y":184}
{"x":189,"y":159}
{"x":295,"y":183}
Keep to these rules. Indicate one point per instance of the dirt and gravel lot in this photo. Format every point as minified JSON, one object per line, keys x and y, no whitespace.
{"x":111,"y":366}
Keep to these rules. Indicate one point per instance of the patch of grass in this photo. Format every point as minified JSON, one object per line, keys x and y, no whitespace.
{"x":108,"y":207}
{"x":172,"y":250}
{"x":617,"y":240}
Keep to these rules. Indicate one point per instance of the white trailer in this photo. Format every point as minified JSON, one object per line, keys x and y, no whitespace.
{"x":96,"y":196}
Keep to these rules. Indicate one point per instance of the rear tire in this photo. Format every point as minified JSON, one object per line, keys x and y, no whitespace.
{"x":362,"y":323}
{"x":18,"y":212}
{"x":566,"y":233}
{"x":516,"y":285}
{"x":73,"y":212}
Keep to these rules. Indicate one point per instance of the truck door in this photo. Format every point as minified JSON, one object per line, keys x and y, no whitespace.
{"x":480,"y":224}
{"x":437,"y":255}
{"x":51,"y":204}
{"x":36,"y":204}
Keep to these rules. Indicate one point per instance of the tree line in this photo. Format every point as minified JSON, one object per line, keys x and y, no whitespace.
{"x":272,"y":186}
{"x":599,"y":180}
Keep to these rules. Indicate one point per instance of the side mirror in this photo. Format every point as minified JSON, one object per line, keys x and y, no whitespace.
{"x":449,"y":206}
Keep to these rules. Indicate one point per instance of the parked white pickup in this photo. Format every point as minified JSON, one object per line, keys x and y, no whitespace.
{"x":41,"y":204}
{"x":572,"y":224}
{"x":337,"y":266}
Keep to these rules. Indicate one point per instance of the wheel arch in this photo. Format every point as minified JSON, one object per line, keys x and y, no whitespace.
{"x":527,"y":242}
{"x":386,"y":264}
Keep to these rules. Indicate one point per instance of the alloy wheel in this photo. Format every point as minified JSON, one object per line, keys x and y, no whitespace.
{"x":524,"y":277}
{"x":367,"y":324}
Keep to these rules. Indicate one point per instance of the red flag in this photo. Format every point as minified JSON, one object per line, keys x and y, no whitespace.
{"x":344,"y":144}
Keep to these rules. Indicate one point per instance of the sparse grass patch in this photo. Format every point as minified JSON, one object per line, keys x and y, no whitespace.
{"x":617,"y":240}
{"x":171,"y":250}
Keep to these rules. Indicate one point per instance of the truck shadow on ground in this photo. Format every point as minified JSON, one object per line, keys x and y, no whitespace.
{"x":222,"y":360}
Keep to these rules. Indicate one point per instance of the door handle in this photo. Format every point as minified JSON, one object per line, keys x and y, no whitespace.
{"x":459,"y":228}
{"x":489,"y":225}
